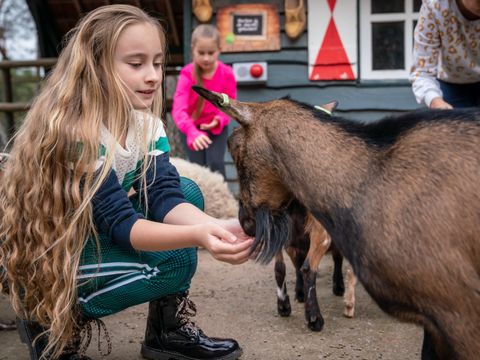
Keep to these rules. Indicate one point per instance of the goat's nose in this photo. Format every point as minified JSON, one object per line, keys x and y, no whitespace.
{"x":248,"y":226}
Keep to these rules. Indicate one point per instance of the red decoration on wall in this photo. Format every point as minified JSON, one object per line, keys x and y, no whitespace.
{"x":332,"y":62}
{"x":331,"y":4}
{"x":256,"y":70}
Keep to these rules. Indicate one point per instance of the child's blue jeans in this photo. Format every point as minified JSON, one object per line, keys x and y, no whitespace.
{"x":461,"y":95}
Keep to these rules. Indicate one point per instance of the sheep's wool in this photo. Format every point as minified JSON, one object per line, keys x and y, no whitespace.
{"x":219,"y":201}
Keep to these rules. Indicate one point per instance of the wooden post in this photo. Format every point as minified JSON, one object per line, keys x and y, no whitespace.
{"x":187,"y":30}
{"x":8,"y":97}
{"x":8,"y":106}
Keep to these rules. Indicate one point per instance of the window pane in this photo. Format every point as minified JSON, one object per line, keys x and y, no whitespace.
{"x":388,"y":45}
{"x":416,"y":5}
{"x":391,"y":6}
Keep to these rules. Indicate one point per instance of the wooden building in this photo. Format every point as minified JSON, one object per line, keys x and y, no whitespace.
{"x":376,"y":36}
{"x":357,"y":52}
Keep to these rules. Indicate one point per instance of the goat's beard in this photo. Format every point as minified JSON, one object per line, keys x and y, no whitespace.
{"x":272,"y":233}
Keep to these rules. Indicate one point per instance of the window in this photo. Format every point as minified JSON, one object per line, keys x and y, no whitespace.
{"x":386,"y":37}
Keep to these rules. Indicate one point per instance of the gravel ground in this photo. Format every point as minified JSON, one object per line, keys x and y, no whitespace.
{"x":240,"y":302}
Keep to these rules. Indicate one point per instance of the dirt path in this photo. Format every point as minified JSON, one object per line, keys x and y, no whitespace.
{"x":240,"y":302}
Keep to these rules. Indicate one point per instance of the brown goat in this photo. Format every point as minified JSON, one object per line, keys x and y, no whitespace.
{"x":399,"y":197}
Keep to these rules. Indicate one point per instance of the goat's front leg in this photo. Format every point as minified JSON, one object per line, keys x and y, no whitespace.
{"x":298,"y":253}
{"x":428,"y":348}
{"x":338,"y":285}
{"x":341,"y":287}
{"x":283,"y":301}
{"x":319,"y":244}
{"x":349,"y":298}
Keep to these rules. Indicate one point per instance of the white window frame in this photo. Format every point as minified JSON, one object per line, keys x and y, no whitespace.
{"x":366,"y":20}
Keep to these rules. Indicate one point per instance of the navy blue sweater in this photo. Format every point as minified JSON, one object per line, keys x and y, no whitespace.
{"x":113,"y":212}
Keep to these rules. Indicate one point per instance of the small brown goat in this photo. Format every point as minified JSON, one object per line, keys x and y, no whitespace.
{"x":399,"y":198}
{"x":308,"y":244}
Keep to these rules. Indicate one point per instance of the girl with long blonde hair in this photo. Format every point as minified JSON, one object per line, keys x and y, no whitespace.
{"x":73,"y":245}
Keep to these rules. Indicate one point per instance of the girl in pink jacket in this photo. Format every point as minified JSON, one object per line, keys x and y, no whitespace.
{"x":204,"y":126}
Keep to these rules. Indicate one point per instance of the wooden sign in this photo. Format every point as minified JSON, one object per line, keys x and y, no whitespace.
{"x":248,"y":25}
{"x":248,"y":28}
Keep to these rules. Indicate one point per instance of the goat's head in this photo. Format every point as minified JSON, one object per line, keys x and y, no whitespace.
{"x":265,"y":202}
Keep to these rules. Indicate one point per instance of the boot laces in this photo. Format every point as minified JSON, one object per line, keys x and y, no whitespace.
{"x":85,"y":335}
{"x":185,"y":310}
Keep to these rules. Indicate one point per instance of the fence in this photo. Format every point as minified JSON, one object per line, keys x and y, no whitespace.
{"x":10,"y":107}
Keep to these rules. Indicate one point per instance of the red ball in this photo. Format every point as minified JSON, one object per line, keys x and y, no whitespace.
{"x":256,"y":70}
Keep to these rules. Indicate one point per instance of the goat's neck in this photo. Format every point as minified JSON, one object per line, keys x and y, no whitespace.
{"x":319,"y":163}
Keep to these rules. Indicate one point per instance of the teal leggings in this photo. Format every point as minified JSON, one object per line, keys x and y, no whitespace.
{"x":116,"y":278}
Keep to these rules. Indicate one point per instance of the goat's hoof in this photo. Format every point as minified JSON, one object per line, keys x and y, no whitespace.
{"x":300,"y":296}
{"x":338,"y":289}
{"x":349,"y":311}
{"x":316,"y":323}
{"x":283,"y":307}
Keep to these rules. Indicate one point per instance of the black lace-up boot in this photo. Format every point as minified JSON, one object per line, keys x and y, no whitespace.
{"x":171,"y":335}
{"x":31,"y":333}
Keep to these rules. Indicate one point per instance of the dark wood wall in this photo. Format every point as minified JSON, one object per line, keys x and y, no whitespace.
{"x":54,"y":18}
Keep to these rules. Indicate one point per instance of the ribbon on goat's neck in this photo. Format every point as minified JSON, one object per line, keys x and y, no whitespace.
{"x":322,"y":109}
{"x":225,"y":100}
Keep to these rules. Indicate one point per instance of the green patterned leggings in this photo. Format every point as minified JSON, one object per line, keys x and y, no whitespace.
{"x":124,"y":278}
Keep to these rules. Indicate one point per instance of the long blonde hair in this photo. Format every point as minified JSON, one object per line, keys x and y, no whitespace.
{"x":48,"y":182}
{"x":203,"y":31}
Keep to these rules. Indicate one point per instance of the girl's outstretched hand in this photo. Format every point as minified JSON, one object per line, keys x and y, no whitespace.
{"x":233,"y":225}
{"x":223,"y":245}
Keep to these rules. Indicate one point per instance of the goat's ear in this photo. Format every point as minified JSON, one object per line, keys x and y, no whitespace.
{"x":331,"y":106}
{"x":237,"y":110}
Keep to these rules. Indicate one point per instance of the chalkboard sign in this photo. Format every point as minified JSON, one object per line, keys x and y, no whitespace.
{"x":247,"y":25}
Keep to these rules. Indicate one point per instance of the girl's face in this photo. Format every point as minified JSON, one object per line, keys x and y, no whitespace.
{"x":138,"y":61}
{"x":205,"y":54}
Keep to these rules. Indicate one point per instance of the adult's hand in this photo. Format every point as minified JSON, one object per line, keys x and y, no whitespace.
{"x":439,"y":103}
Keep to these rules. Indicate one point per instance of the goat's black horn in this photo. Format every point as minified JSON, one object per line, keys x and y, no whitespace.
{"x":212,"y":96}
{"x":236,"y":109}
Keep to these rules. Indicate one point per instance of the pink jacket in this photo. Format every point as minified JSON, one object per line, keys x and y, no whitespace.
{"x":185,"y":99}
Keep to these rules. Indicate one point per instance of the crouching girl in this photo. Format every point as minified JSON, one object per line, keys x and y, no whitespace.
{"x":74,"y":246}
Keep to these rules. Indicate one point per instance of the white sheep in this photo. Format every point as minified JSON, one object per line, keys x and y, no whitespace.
{"x":219,"y":201}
